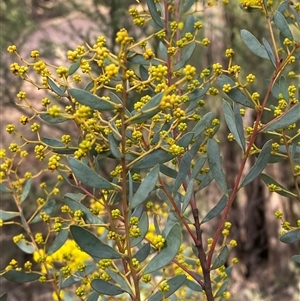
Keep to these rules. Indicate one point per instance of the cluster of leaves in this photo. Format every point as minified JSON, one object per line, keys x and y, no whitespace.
{"x":143,"y":115}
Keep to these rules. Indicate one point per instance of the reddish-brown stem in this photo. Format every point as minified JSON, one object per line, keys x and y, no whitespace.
{"x":241,"y":169}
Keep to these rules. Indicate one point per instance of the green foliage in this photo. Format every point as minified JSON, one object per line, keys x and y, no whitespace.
{"x":137,"y":231}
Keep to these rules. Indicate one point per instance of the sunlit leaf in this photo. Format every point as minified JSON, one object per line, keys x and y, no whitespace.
{"x":91,"y":100}
{"x":106,"y":288}
{"x":253,"y":44}
{"x":221,"y":258}
{"x":174,"y":284}
{"x":88,"y":176}
{"x":214,"y":162}
{"x":282,"y":25}
{"x":167,"y":253}
{"x":259,"y":165}
{"x":145,"y":188}
{"x":290,"y":237}
{"x":20,"y":276}
{"x":92,"y":245}
{"x":26,"y":246}
{"x":215,"y":210}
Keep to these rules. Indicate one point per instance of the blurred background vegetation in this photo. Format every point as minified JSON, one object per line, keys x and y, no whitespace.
{"x":265,"y":271}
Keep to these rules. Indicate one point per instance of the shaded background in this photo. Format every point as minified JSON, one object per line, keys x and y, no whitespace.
{"x":265,"y":271}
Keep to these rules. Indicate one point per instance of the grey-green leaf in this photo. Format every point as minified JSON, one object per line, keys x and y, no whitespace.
{"x":53,"y":120}
{"x":295,"y":258}
{"x":282,"y":190}
{"x":91,"y":100}
{"x":74,"y":205}
{"x":289,"y":117}
{"x":26,"y":246}
{"x":47,"y":208}
{"x":114,"y":147}
{"x":221,"y":258}
{"x":155,"y":157}
{"x":233,"y":125}
{"x":259,"y":165}
{"x":7,"y":215}
{"x":283,"y":86}
{"x":215,"y":210}
{"x":235,"y":93}
{"x":202,"y":124}
{"x":106,"y":288}
{"x":269,"y":51}
{"x":143,"y":252}
{"x":88,"y":176}
{"x":188,"y":195}
{"x":214,"y":162}
{"x":74,"y":67}
{"x":154,"y":13}
{"x":148,"y":110}
{"x":186,"y":55}
{"x":282,"y":25}
{"x":92,"y":245}
{"x":168,"y":252}
{"x":143,"y":225}
{"x":290,"y":237}
{"x":253,"y":44}
{"x":145,"y":188}
{"x":26,"y":190}
{"x":4,"y":189}
{"x":174,"y":284}
{"x":59,"y":241}
{"x":20,"y":276}
{"x":60,"y":91}
{"x":119,"y":280}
